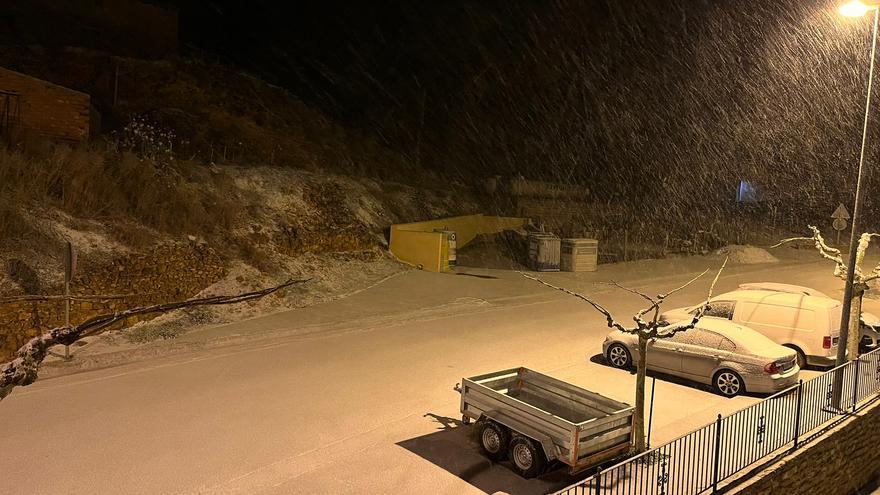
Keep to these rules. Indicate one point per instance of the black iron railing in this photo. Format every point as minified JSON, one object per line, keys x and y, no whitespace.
{"x":699,"y":461}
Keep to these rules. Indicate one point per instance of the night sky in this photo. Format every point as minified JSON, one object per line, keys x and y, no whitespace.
{"x":664,"y":105}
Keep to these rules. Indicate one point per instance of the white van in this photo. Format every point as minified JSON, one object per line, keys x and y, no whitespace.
{"x":805,"y":323}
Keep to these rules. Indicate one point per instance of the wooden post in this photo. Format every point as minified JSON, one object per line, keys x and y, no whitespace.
{"x":625,"y":244}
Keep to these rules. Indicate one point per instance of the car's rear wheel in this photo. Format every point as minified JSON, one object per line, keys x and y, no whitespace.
{"x":494,"y":439}
{"x":728,"y":383}
{"x":619,"y":356}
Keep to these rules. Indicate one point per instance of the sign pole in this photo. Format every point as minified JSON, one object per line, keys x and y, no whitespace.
{"x":69,"y":268}
{"x":651,"y":413}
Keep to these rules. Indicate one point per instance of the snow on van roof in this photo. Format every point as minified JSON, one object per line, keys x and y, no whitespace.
{"x":777,"y":287}
{"x":776,"y":297}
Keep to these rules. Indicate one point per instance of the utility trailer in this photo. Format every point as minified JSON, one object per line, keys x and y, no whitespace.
{"x":535,"y":419}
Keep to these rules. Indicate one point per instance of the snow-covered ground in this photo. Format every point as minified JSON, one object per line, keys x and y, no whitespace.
{"x":352,"y":395}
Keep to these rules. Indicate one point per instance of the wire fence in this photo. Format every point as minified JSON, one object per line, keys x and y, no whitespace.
{"x":697,"y":462}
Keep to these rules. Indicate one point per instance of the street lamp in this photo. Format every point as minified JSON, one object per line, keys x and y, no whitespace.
{"x":856,"y":9}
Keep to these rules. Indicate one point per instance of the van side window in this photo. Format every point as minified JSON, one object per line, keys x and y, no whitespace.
{"x":720,"y":309}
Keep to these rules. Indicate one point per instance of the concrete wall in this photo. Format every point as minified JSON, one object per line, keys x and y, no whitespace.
{"x":168,"y":273}
{"x":840,"y":462}
{"x":47,"y":109}
{"x":417,"y":244}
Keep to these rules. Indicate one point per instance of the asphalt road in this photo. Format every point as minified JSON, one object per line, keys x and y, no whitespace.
{"x":351,"y":396}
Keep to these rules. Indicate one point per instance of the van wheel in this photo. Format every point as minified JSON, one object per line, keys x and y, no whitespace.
{"x":728,"y":383}
{"x":494,"y":439}
{"x":619,"y":356}
{"x":528,"y":459}
{"x":801,"y":357}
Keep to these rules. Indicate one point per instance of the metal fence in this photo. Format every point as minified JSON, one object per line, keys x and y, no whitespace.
{"x":697,"y":462}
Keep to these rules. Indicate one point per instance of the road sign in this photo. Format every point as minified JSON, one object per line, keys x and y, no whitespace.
{"x":840,"y":213}
{"x":840,"y":217}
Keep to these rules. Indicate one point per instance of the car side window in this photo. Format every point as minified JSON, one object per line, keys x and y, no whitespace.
{"x":697,"y":337}
{"x":683,"y":337}
{"x":720,"y":309}
{"x":705,"y":338}
{"x":727,"y":345}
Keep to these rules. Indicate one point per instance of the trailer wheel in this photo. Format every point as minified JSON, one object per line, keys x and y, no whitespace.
{"x":494,"y":439}
{"x":528,"y":459}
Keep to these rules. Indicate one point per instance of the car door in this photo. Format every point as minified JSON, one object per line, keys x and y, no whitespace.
{"x":664,"y":354}
{"x":701,"y":351}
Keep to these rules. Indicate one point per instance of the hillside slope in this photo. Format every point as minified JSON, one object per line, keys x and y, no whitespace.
{"x":217,"y":165}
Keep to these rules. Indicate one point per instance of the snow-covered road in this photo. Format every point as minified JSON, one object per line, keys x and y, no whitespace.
{"x":351,"y":396}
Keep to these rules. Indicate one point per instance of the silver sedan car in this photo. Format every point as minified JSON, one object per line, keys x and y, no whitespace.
{"x":730,"y":357}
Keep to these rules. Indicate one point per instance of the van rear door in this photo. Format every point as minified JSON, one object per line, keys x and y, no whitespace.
{"x":834,"y":315}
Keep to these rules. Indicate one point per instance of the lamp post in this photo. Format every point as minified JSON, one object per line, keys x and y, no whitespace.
{"x":856,"y":9}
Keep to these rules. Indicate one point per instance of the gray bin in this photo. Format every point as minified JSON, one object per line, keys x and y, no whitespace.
{"x":544,"y":252}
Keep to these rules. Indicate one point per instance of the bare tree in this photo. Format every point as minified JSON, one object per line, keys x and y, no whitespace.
{"x":860,"y":278}
{"x":646,"y":330}
{"x":22,"y":371}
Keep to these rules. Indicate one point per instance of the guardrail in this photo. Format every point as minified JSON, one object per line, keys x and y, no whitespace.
{"x":697,"y":462}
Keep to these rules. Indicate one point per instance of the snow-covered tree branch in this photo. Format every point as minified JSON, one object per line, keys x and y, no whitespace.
{"x":860,"y":278}
{"x":599,"y":307}
{"x":646,"y":330}
{"x":826,"y":251}
{"x":23,"y":370}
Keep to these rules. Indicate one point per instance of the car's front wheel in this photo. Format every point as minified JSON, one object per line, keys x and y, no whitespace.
{"x":619,"y":356}
{"x":728,"y":383}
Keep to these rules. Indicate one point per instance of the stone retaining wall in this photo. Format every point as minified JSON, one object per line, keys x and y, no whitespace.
{"x":169,"y":272}
{"x":840,"y":462}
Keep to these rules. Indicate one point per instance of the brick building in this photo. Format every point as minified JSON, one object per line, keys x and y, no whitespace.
{"x":46,"y":109}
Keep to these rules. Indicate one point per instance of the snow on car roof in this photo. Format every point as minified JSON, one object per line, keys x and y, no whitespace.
{"x":739,"y":334}
{"x":777,"y":287}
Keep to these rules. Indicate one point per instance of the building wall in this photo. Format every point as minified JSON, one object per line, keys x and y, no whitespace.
{"x":840,"y":462}
{"x":48,"y":109}
{"x":170,"y":272}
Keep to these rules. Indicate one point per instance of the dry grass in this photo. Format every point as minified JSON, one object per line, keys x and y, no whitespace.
{"x":175,"y":199}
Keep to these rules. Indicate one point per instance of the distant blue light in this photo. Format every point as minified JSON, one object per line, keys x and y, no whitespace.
{"x":748,"y":192}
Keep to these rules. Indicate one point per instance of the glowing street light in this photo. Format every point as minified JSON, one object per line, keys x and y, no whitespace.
{"x":856,"y":8}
